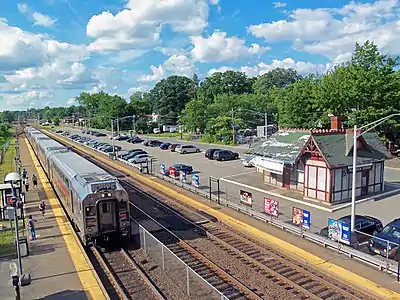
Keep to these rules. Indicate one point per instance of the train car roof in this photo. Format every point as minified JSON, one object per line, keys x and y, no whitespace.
{"x":80,"y":172}
{"x":50,"y":143}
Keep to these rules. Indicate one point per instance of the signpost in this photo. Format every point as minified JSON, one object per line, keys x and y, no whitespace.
{"x":339,"y":231}
{"x":172,"y":172}
{"x":162,"y":169}
{"x":246,"y":198}
{"x":182,"y":176}
{"x":195,"y":180}
{"x":301,"y":217}
{"x":271,"y":207}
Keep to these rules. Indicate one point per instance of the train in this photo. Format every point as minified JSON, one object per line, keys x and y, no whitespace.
{"x":95,"y":201}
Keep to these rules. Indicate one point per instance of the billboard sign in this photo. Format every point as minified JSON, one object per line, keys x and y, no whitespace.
{"x":172,"y":172}
{"x":301,"y":217}
{"x":339,"y":231}
{"x":196,"y":180}
{"x":162,"y":169}
{"x":271,"y":207}
{"x":246,"y":198}
{"x":182,"y":176}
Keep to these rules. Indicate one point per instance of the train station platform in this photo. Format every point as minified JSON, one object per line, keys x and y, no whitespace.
{"x":58,"y":266}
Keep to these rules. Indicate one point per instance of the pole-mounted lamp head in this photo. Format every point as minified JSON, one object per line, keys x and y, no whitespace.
{"x":12,"y":177}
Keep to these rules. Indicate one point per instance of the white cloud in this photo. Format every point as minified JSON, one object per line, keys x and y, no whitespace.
{"x":39,"y":19}
{"x":127,"y":55}
{"x":20,"y":49}
{"x":142,"y":88}
{"x":177,"y":64}
{"x":279,"y":4}
{"x":302,"y":67}
{"x":22,"y":101}
{"x":219,"y":47}
{"x":334,"y":32}
{"x":43,"y":20}
{"x":141,"y":22}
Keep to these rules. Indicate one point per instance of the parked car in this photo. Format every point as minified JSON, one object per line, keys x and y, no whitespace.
{"x":121,"y":137}
{"x":134,"y":140}
{"x":59,"y":131}
{"x":364,"y":224}
{"x":223,"y":155}
{"x":248,"y":162}
{"x":74,"y":136}
{"x":154,"y":143}
{"x":185,"y":168}
{"x":156,"y":130}
{"x":210,"y":152}
{"x":146,"y":143}
{"x":99,"y":134}
{"x":139,"y":158}
{"x":390,"y":233}
{"x":184,"y":149}
{"x":132,"y":153}
{"x":165,"y":146}
{"x":173,"y":147}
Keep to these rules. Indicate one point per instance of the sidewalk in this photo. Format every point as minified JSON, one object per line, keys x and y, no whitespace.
{"x":54,"y":273}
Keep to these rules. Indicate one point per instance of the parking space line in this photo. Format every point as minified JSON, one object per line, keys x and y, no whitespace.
{"x":234,"y":175}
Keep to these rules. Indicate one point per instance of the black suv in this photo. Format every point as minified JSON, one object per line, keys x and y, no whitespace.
{"x":363,"y":224}
{"x":210,"y":153}
{"x":225,"y":155}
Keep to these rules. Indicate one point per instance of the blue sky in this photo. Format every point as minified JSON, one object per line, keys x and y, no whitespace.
{"x":52,"y":50}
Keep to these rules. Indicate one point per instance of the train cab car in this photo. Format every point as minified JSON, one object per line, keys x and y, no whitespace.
{"x":96,"y":201}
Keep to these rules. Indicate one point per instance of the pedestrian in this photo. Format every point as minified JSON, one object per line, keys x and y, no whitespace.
{"x":26,"y":182}
{"x":34,"y":181}
{"x":31,"y":226}
{"x":24,"y":174}
{"x":42,"y":208}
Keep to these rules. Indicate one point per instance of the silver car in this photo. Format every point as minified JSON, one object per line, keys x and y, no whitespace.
{"x":184,"y":149}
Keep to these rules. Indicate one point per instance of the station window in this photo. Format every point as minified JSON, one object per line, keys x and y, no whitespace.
{"x":105,"y":208}
{"x":90,"y":211}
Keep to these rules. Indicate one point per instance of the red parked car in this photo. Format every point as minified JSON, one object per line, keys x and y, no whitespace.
{"x":172,"y":147}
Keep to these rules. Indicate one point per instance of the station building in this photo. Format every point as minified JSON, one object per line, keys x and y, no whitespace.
{"x":318,"y":163}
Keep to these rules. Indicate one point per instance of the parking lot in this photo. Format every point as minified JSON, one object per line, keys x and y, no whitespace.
{"x":202,"y":166}
{"x":235,"y":177}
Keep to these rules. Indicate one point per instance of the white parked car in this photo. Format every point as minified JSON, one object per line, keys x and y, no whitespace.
{"x":138,"y":159}
{"x":248,"y":162}
{"x":156,"y":130}
{"x":184,"y":149}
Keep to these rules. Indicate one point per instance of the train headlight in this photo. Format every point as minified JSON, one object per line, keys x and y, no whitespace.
{"x":89,"y":229}
{"x":123,"y":224}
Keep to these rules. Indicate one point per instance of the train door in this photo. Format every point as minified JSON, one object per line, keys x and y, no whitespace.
{"x":107,"y":216}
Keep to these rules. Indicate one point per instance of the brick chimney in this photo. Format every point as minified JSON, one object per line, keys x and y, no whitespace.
{"x":336,"y":123}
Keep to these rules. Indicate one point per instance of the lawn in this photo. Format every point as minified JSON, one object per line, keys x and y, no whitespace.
{"x":7,"y":238}
{"x":8,"y":164}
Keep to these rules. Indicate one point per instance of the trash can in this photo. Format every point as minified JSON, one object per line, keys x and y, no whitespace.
{"x":23,"y":246}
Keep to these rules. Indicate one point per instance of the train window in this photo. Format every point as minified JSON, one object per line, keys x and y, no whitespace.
{"x":90,"y":211}
{"x":105,"y":207}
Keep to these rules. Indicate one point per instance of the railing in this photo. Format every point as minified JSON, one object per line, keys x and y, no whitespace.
{"x":381,"y":263}
{"x":178,"y":271}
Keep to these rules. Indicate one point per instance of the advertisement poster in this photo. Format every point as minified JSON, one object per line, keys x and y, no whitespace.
{"x":162,"y":169}
{"x":339,"y":231}
{"x":271,"y":207}
{"x":182,"y":176}
{"x":246,"y":198}
{"x":172,"y":172}
{"x":297,"y":216}
{"x":301,"y":217}
{"x":196,"y":180}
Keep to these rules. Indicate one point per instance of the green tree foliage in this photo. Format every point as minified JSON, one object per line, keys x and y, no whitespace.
{"x":169,"y":96}
{"x":277,"y":78}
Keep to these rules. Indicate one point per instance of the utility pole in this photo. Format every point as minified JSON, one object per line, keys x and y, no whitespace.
{"x":112,"y":136}
{"x":266,"y":124}
{"x":233,"y":127}
{"x":117,"y":126}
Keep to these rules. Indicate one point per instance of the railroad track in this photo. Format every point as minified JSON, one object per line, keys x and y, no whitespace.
{"x":124,"y":275}
{"x":299,"y":280}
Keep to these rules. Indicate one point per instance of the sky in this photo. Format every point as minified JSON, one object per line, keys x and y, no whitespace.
{"x":52,"y":50}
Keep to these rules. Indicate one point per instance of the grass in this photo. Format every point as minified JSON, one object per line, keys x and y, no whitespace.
{"x":7,"y":238}
{"x":8,"y":164}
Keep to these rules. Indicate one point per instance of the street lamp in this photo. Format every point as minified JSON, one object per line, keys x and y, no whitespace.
{"x":354,"y":177}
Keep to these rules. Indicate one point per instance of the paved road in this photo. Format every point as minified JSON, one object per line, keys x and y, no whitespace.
{"x":385,"y":209}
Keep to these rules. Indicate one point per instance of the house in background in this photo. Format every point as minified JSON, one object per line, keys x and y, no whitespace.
{"x":318,"y":163}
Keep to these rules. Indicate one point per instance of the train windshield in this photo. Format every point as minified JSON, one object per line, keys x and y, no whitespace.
{"x":90,"y":211}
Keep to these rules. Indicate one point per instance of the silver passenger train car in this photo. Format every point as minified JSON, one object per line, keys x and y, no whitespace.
{"x":94,"y":200}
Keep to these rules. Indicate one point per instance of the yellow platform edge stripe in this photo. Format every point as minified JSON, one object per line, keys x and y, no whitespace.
{"x":85,"y":273}
{"x":289,"y":249}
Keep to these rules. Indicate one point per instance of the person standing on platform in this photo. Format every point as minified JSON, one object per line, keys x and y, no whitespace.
{"x":42,"y":208}
{"x":31,"y":226}
{"x":34,"y":181}
{"x":26,"y":183}
{"x":24,"y":174}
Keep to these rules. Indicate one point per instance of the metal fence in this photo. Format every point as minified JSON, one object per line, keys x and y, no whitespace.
{"x":284,"y":222}
{"x":178,"y":271}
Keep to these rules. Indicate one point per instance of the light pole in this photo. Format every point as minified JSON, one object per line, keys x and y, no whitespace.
{"x":354,"y":177}
{"x":112,"y":136}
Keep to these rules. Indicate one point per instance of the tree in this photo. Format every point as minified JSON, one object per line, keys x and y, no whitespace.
{"x":195,"y":115}
{"x":276,"y":78}
{"x":296,"y":102}
{"x":196,"y":80}
{"x":169,"y":96}
{"x":140,"y":104}
{"x":229,"y":82}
